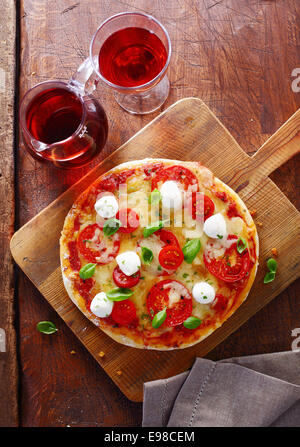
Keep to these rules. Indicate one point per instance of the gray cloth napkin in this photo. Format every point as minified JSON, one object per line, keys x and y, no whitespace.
{"x":254,"y":391}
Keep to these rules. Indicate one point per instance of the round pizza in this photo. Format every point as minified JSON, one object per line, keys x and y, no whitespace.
{"x":158,"y":253}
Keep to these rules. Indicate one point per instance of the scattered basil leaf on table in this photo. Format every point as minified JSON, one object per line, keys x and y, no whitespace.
{"x":241,"y":245}
{"x":155,"y":197}
{"x":119,"y":294}
{"x":46,"y":327}
{"x":191,"y":249}
{"x":270,"y":276}
{"x":147,"y":255}
{"x":192,"y":323}
{"x":159,"y":318}
{"x":87,"y":271}
{"x":272,"y":264}
{"x":111,"y":226}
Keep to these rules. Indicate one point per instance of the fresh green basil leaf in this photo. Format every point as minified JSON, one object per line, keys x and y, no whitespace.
{"x":272,"y":265}
{"x":147,"y":255}
{"x":87,"y":271}
{"x":191,"y":249}
{"x":46,"y":327}
{"x":192,"y":323}
{"x":111,"y":226}
{"x":159,"y":318}
{"x":270,"y":276}
{"x":241,"y":245}
{"x":152,"y":228}
{"x":119,"y":294}
{"x":155,"y":197}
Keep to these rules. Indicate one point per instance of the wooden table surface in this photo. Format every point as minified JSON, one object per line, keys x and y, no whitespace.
{"x":238,"y":57}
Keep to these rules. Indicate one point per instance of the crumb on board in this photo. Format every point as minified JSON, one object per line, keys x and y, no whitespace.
{"x":259,"y":224}
{"x":253,"y":213}
{"x":72,"y":352}
{"x":274,"y":251}
{"x":33,"y":73}
{"x":101,"y":354}
{"x":119,"y":372}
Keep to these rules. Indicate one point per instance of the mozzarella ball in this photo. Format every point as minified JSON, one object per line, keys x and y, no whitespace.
{"x":203,"y":292}
{"x":129,"y":262}
{"x":101,"y":306}
{"x":171,"y":195}
{"x":107,"y":206}
{"x":215,"y":226}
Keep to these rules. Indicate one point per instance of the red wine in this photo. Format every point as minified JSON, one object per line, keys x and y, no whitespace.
{"x":54,"y":115}
{"x":131,"y":57}
{"x":76,"y":131}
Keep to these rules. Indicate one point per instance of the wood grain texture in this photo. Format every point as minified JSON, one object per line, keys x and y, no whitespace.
{"x":8,"y":353}
{"x":186,"y":124}
{"x":237,"y":55}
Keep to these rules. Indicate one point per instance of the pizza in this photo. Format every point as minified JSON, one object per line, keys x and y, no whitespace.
{"x":158,"y":253}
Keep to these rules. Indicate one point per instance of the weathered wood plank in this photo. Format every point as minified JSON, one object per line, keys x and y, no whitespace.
{"x":237,"y":55}
{"x":8,"y":354}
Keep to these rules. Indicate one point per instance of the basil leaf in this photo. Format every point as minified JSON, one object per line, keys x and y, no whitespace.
{"x":155,"y":197}
{"x":152,"y":228}
{"x":111,"y":227}
{"x":119,"y":294}
{"x":159,"y":318}
{"x":46,"y":327}
{"x":272,"y":264}
{"x":191,"y":249}
{"x":192,"y":323}
{"x":147,"y":255}
{"x":270,"y":276}
{"x":87,"y":271}
{"x":241,"y":245}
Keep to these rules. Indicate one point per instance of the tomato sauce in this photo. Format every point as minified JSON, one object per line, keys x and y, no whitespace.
{"x":222,"y":196}
{"x":112,"y":181}
{"x":74,"y":260}
{"x":232,"y":211}
{"x":150,"y":169}
{"x":84,"y":287}
{"x":77,"y":223}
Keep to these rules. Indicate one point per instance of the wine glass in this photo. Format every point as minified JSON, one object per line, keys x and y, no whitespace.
{"x":130,"y":52}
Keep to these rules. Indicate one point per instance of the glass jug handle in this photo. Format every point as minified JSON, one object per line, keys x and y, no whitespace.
{"x":84,"y":80}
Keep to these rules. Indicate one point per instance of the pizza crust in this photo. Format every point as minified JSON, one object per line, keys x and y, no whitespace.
{"x":207,"y":176}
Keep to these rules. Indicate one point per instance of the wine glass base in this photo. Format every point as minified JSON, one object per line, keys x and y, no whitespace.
{"x":145,"y":102}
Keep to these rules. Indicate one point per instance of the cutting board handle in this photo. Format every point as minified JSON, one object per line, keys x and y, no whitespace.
{"x":280,"y":147}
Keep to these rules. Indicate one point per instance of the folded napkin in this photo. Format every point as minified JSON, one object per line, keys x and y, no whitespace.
{"x":254,"y":391}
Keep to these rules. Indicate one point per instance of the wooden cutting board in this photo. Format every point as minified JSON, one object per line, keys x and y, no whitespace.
{"x":188,"y":130}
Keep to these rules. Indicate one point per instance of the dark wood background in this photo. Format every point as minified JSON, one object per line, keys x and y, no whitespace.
{"x":237,"y":56}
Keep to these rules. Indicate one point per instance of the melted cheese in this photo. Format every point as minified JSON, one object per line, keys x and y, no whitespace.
{"x":154,"y":244}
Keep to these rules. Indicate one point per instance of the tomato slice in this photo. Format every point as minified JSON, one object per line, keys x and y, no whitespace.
{"x":231,"y":266}
{"x":123,"y":280}
{"x":201,"y":206}
{"x":95,"y":248}
{"x":167,"y":237}
{"x":123,"y":312}
{"x":129,"y":219}
{"x":158,"y":299}
{"x":177,"y":173}
{"x":170,"y":257}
